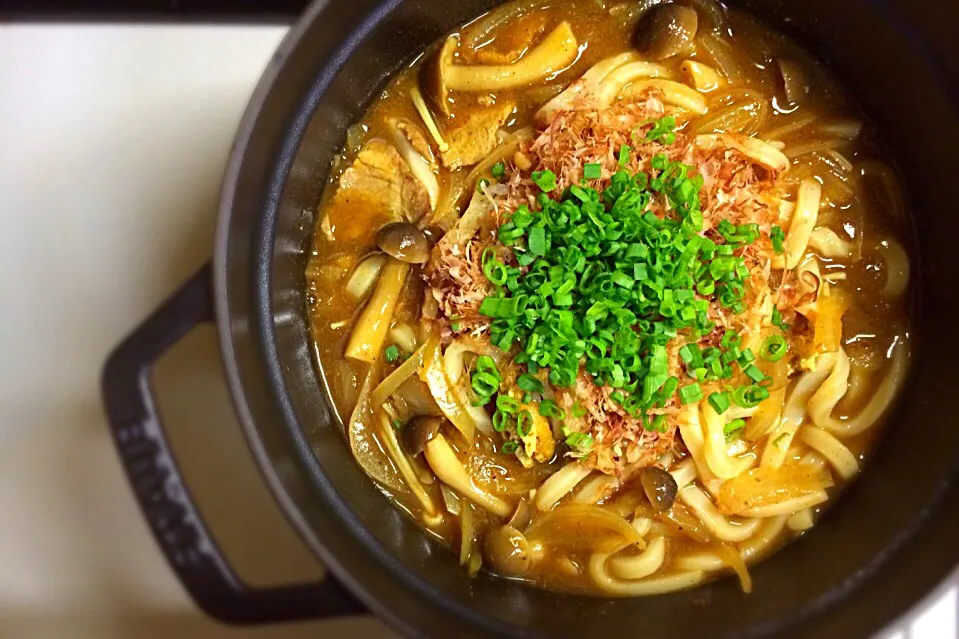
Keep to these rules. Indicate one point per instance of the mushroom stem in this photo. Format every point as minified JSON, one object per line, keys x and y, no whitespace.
{"x":556,"y":52}
{"x":450,"y":470}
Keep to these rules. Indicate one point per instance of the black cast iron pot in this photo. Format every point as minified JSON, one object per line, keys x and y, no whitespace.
{"x":889,"y":540}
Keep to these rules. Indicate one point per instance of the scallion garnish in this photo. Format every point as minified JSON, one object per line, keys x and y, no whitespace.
{"x":509,"y":447}
{"x":734,"y":428}
{"x":773,"y":348}
{"x":719,"y":402}
{"x":545,"y":180}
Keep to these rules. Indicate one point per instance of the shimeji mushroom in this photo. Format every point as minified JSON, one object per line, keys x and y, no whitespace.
{"x":555,"y":53}
{"x":450,"y":471}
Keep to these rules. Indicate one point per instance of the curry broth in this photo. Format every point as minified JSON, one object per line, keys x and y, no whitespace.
{"x":866,"y":209}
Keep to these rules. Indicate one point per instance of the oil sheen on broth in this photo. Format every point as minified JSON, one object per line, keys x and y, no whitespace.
{"x":612,"y":297}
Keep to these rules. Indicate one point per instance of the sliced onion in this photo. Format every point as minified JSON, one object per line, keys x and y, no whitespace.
{"x":395,"y":379}
{"x":365,"y":446}
{"x":732,"y":558}
{"x":768,"y":485}
{"x":452,"y":501}
{"x":583,"y":527}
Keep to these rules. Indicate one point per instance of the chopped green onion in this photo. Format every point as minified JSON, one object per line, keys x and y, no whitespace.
{"x":658,"y":424}
{"x":752,"y":372}
{"x":773,"y":348}
{"x":392,"y":353}
{"x":580,"y":442}
{"x":749,"y":396}
{"x":719,"y":402}
{"x":690,"y":393}
{"x":485,"y":381}
{"x":529,"y":383}
{"x":494,"y":270}
{"x":536,"y":241}
{"x":596,"y":282}
{"x":777,"y":320}
{"x":777,"y":236}
{"x":545,"y":180}
{"x":509,"y":447}
{"x":548,"y":408}
{"x":524,"y":423}
{"x":662,"y":131}
{"x":734,"y":428}
{"x":507,"y":404}
{"x":501,"y":421}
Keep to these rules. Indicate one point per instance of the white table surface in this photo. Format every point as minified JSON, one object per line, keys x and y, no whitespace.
{"x":112,"y":142}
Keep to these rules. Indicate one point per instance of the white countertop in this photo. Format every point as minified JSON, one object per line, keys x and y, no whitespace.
{"x":112,"y":143}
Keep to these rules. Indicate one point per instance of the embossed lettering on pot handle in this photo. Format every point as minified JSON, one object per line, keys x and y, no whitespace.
{"x":164,"y":499}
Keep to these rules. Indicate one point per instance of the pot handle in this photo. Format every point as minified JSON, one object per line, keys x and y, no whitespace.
{"x":159,"y":488}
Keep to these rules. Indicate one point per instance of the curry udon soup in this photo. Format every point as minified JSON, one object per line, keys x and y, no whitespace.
{"x":611,"y":296}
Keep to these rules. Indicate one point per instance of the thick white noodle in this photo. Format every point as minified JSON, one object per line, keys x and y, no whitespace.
{"x":455,"y":366}
{"x":612,"y":85}
{"x":586,"y":89}
{"x":789,"y":506}
{"x":878,"y":403}
{"x":673,"y":92}
{"x":803,"y":222}
{"x":762,"y":540}
{"x":720,"y":463}
{"x":813,"y":458}
{"x":897,"y":268}
{"x":824,"y":400}
{"x":643,"y":587}
{"x":692,"y":432}
{"x":597,"y":489}
{"x":800,"y":521}
{"x":560,"y":484}
{"x":794,"y":413}
{"x":753,"y":547}
{"x":726,"y":530}
{"x":827,"y":243}
{"x":642,"y":525}
{"x":639,"y":566}
{"x":684,"y":473}
{"x":835,"y":452}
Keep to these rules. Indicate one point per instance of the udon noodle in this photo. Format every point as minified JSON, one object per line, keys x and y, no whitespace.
{"x":612,"y":296}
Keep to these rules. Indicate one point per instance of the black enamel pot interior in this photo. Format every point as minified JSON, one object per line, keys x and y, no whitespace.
{"x":888,"y":541}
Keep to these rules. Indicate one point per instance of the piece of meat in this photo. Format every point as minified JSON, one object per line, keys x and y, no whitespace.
{"x":476,"y":138}
{"x":376,"y":189}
